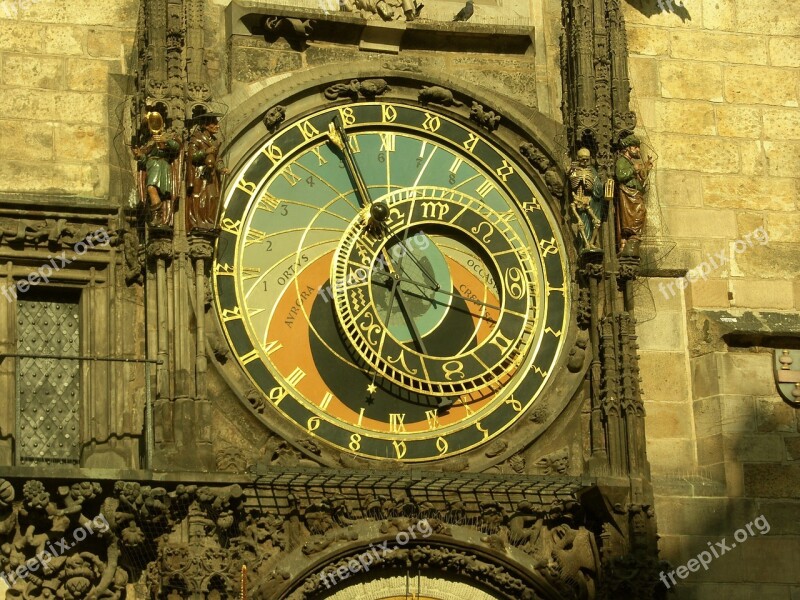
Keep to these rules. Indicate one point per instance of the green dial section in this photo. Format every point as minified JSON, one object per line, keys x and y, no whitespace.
{"x":391,"y":281}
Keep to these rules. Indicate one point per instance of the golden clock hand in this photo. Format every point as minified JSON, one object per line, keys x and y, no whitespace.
{"x":338,"y":136}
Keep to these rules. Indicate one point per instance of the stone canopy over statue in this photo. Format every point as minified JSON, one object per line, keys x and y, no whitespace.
{"x":631,"y":174}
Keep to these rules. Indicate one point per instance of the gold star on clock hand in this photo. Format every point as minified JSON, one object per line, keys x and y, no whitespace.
{"x":372,"y":388}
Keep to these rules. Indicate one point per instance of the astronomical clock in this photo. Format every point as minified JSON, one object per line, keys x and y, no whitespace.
{"x":392,"y":279}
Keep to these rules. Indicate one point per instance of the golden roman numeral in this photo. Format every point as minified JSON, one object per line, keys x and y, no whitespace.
{"x":289,"y":175}
{"x":318,"y":153}
{"x":456,"y":165}
{"x":271,"y":347}
{"x":485,"y":188}
{"x":254,"y":236}
{"x":396,"y":422}
{"x":433,"y":418}
{"x":326,"y":400}
{"x":268,"y":202}
{"x":249,"y":357}
{"x":387,"y":142}
{"x":295,"y":377}
{"x":250,"y":272}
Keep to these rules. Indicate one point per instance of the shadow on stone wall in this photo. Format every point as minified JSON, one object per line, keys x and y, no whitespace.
{"x":653,"y":7}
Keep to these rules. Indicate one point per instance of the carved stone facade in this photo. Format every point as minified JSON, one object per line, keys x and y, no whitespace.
{"x":130,"y":423}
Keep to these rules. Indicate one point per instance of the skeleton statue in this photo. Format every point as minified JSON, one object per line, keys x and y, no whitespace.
{"x":586,"y":198}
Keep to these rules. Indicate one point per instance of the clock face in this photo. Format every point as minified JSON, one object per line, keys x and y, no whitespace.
{"x":391,"y":281}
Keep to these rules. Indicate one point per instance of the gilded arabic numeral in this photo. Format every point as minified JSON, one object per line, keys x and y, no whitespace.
{"x":268,"y":202}
{"x":388,"y":113}
{"x":471,"y":142}
{"x":289,"y":175}
{"x":229,"y":314}
{"x":504,"y":171}
{"x":484,"y":188}
{"x":531,"y":206}
{"x":347,"y":115}
{"x":453,"y":368}
{"x":441,"y":445}
{"x":231,"y":226}
{"x":313,"y":424}
{"x":432,"y":122}
{"x":434,"y":210}
{"x":482,"y":429}
{"x":223,"y":269}
{"x":273,"y":152}
{"x":254,"y":236}
{"x":388,"y":142}
{"x":548,"y":246}
{"x":433,"y":419}
{"x":326,"y":400}
{"x":355,"y":442}
{"x":397,"y":422}
{"x":308,"y":130}
{"x":247,"y":187}
{"x":277,"y":394}
{"x":400,"y":448}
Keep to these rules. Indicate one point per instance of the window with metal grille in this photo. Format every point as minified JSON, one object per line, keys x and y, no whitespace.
{"x":48,"y":389}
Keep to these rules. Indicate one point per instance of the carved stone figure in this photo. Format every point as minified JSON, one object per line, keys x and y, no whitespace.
{"x":586,"y":198}
{"x":388,"y":10}
{"x":203,"y":174}
{"x":631,"y":174}
{"x":437,"y":95}
{"x":274,"y":117}
{"x":156,"y":157}
{"x":485,"y":118}
{"x":369,"y":88}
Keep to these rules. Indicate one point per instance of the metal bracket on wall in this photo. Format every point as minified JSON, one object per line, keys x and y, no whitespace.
{"x":787,"y":375}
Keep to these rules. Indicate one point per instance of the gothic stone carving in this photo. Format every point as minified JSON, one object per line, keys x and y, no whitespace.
{"x":437,"y":95}
{"x":368,"y":88}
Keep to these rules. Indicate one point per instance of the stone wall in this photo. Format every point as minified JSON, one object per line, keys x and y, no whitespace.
{"x":716,"y":89}
{"x":62,"y":89}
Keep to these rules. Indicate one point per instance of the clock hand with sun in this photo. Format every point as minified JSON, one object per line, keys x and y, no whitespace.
{"x":379,"y":214}
{"x":378,"y":211}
